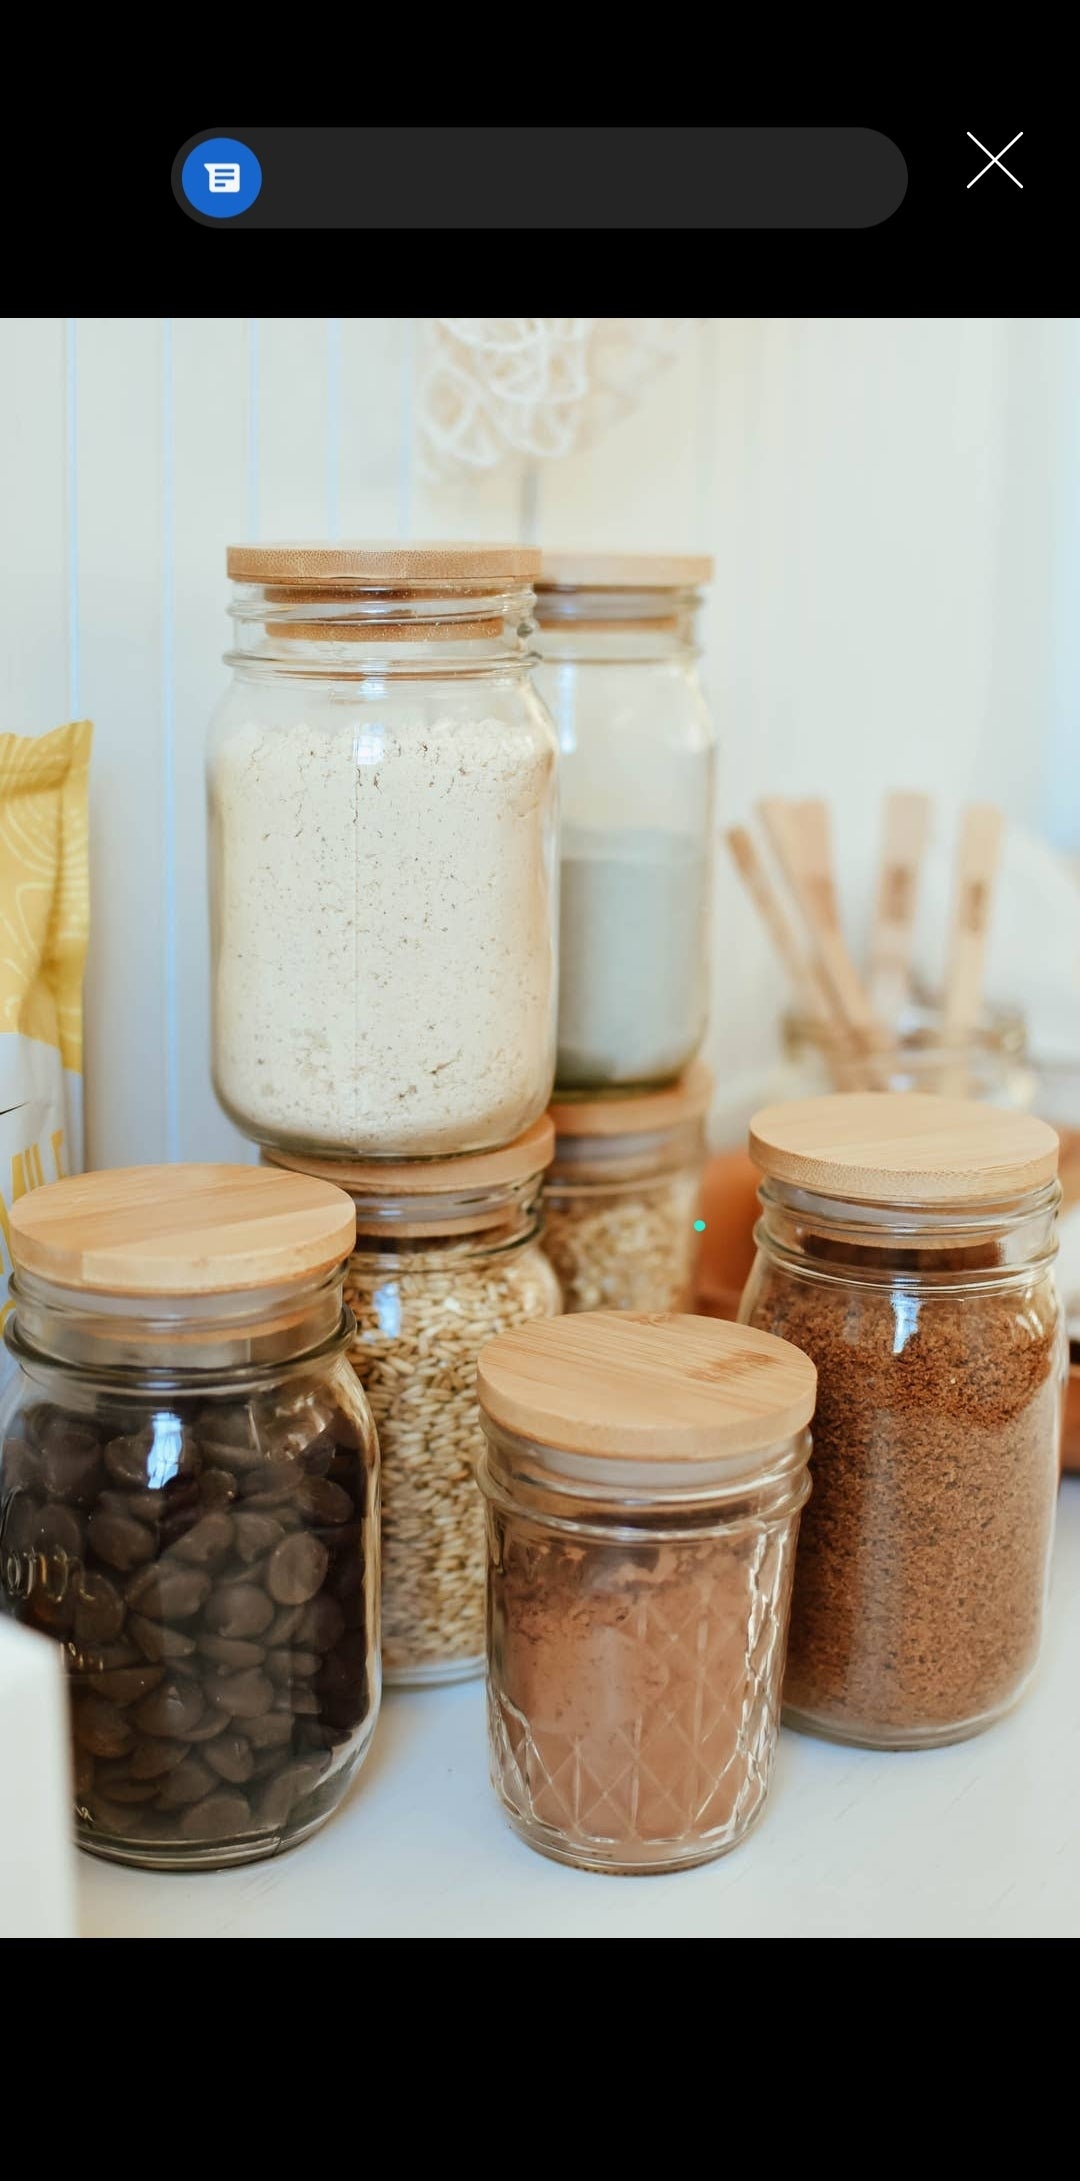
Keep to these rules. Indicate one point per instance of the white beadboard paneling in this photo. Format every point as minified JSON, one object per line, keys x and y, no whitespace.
{"x":35,"y":684}
{"x":209,"y":512}
{"x":292,"y":380}
{"x":374,"y":436}
{"x":119,"y":476}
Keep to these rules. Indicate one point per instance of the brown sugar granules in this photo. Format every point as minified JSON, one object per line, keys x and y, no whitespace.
{"x":924,"y":1547}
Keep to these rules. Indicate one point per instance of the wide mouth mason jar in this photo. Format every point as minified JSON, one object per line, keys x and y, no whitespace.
{"x":189,"y":1503}
{"x":382,"y":786}
{"x":989,"y":1062}
{"x":623,"y":1193}
{"x":644,"y":1475}
{"x":447,"y":1255}
{"x":906,"y":1242}
{"x":619,"y":675}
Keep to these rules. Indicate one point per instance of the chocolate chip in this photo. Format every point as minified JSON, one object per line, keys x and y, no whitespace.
{"x":273,"y":1482}
{"x":188,"y":1783}
{"x":155,"y":1640}
{"x":255,"y":1533}
{"x":21,"y":1465}
{"x":296,"y":1569}
{"x":150,"y":1760}
{"x":208,"y":1542}
{"x":169,"y":1594}
{"x":126,"y":1458}
{"x":324,"y":1502}
{"x":239,"y":1609}
{"x":101,"y":1728}
{"x":231,"y":1651}
{"x":59,"y":1529}
{"x":70,"y":1460}
{"x":231,"y":1758}
{"x":269,"y":1731}
{"x":212,"y":1723}
{"x":125,"y":1684}
{"x":121,"y":1542}
{"x":119,"y":1783}
{"x":286,"y":1621}
{"x":321,"y":1624}
{"x":277,"y":1798}
{"x":221,"y":1817}
{"x":244,"y":1696}
{"x":292,"y":1665}
{"x":297,"y":1697}
{"x":217,"y":1488}
{"x":172,"y":1710}
{"x":99,"y":1609}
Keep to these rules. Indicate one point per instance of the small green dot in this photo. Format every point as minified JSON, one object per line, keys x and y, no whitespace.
{"x":699,"y":1226}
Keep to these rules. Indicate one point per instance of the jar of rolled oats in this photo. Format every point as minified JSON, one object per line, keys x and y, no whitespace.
{"x":447,"y":1255}
{"x":623,"y":1194}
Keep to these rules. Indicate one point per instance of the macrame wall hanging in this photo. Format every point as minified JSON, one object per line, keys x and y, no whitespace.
{"x":493,"y":388}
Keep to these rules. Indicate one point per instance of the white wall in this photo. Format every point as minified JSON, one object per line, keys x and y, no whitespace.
{"x":894,"y":506}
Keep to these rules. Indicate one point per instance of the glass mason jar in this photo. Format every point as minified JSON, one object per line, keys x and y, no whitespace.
{"x":619,"y":673}
{"x":189,"y":1504}
{"x":447,"y":1256}
{"x":991,"y":1063}
{"x":382,"y":785}
{"x":906,"y":1243}
{"x":644,"y":1477}
{"x":623,"y":1194}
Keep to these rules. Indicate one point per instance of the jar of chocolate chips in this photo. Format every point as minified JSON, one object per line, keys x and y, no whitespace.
{"x":189,"y":1503}
{"x":906,"y":1244}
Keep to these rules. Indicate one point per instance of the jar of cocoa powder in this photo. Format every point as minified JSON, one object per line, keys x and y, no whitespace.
{"x":906,"y":1243}
{"x":623,"y":1194}
{"x":644,"y":1476}
{"x":189,"y":1503}
{"x":447,"y":1255}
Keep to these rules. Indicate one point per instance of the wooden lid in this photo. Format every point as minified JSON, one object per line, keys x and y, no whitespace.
{"x":180,"y":1230}
{"x":528,"y":1154}
{"x":903,"y":1147}
{"x":667,"y":1388}
{"x":381,"y":561}
{"x":638,"y":1113}
{"x":623,"y":571}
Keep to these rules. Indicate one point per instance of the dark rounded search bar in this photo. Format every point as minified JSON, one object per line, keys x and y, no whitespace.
{"x":524,"y":178}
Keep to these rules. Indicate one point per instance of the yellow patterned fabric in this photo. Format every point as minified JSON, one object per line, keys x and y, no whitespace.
{"x":44,"y":886}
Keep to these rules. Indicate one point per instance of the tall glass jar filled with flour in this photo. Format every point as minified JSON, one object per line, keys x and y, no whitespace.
{"x":619,"y":674}
{"x":382,"y":786}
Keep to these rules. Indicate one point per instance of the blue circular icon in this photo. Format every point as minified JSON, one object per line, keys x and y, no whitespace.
{"x":221,"y":177}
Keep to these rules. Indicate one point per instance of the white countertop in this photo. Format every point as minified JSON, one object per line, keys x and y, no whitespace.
{"x":982,"y":1840}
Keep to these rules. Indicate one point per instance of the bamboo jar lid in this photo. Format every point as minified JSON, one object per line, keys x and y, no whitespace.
{"x":180,"y":1230}
{"x":527,"y":1155}
{"x":666,"y":1388}
{"x":903,"y":1147}
{"x":384,"y":562}
{"x":623,"y":571}
{"x":637,"y":1113}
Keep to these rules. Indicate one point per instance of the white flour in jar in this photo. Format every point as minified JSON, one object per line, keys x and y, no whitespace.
{"x":384,"y":977}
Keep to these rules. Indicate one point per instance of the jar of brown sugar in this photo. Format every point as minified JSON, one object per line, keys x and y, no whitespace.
{"x":622,"y":1196}
{"x":644,"y":1476}
{"x":446,"y":1257}
{"x":188,"y":1503}
{"x":906,"y":1243}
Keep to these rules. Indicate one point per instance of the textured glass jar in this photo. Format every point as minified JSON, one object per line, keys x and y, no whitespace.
{"x":447,"y":1256}
{"x":189,"y":1504}
{"x":382,"y":785}
{"x":623,"y":1194}
{"x":991,"y":1064}
{"x":917,"y":1271}
{"x":619,"y":674}
{"x":639,"y":1583}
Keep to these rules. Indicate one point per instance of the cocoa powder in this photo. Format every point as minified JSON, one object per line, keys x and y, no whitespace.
{"x":924,"y":1546}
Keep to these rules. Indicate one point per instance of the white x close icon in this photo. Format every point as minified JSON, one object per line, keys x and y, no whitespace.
{"x":994,"y":159}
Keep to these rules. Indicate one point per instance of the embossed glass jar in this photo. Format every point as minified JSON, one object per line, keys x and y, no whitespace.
{"x":644,"y":1476}
{"x":189,"y":1503}
{"x":619,"y":674}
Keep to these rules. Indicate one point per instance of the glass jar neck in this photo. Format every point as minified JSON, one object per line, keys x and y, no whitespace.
{"x":945,"y":1246}
{"x":356,"y":632}
{"x":571,"y":1490}
{"x":413,"y":1231}
{"x":987,"y":1064}
{"x":602,"y":1163}
{"x":614,"y":626}
{"x":179,"y":1334}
